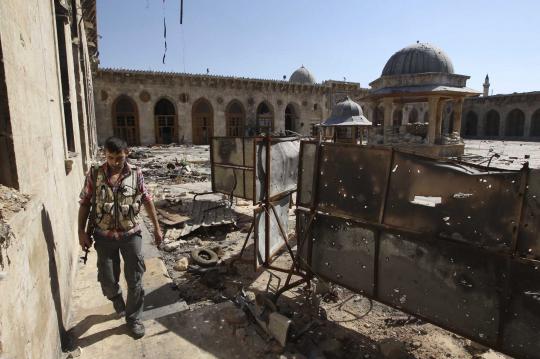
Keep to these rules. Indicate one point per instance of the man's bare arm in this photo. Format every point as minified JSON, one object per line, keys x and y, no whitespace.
{"x":151,"y":211}
{"x":84,"y":238}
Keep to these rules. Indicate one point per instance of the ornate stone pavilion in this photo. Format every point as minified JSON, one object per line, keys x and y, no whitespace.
{"x":347,"y":123}
{"x":419,"y":74}
{"x":151,"y":107}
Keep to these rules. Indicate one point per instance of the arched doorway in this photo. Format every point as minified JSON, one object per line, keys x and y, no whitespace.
{"x":291,"y":119}
{"x":413,"y":116}
{"x":515,"y":123}
{"x":126,"y":120}
{"x":235,"y":117}
{"x":202,"y":122}
{"x":492,"y":124}
{"x":265,"y":119}
{"x":165,"y":121}
{"x":535,"y":124}
{"x":397,"y":118}
{"x":471,"y":124}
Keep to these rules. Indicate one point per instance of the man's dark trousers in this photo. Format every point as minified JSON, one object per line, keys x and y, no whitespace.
{"x":108,"y":264}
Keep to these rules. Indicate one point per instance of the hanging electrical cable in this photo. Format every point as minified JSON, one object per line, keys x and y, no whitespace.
{"x":164,"y":34}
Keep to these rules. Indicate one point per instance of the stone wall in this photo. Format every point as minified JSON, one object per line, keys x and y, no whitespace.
{"x":312,"y":103}
{"x":51,"y":151}
{"x":502,"y":105}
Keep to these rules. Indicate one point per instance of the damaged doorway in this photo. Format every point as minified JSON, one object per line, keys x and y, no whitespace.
{"x":165,"y":121}
{"x":203,"y":122}
{"x":126,"y":120}
{"x":291,"y":119}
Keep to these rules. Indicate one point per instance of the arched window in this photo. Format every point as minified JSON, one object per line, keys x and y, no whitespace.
{"x":202,"y":122}
{"x":291,"y":118}
{"x":265,"y":119}
{"x":471,"y":124}
{"x":236,"y":118}
{"x":515,"y":123}
{"x":492,"y":124}
{"x":535,"y":124}
{"x":378,"y":117}
{"x":165,"y":121}
{"x":413,"y":116}
{"x":125,"y":120}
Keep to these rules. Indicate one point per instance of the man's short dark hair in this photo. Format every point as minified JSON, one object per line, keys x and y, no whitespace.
{"x":115,"y":144}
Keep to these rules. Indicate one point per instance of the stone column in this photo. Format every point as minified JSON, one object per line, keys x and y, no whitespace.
{"x":387,"y":124}
{"x":433,"y":110}
{"x":458,"y":113}
{"x":438,"y":128}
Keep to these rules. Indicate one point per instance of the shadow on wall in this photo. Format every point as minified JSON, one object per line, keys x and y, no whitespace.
{"x":53,"y":275}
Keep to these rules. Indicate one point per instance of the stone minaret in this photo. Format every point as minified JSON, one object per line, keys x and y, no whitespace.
{"x":486,"y":86}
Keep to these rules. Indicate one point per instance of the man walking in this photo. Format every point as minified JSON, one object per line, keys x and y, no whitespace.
{"x":113,"y":194}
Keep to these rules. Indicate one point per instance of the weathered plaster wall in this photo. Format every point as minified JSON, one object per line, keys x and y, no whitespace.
{"x":108,"y":85}
{"x":37,"y":288}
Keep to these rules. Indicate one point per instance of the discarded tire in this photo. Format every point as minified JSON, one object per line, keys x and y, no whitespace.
{"x":204,"y":257}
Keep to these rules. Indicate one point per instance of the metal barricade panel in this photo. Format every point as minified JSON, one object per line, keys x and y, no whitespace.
{"x":454,"y":285}
{"x":352,"y":180}
{"x":454,"y":201}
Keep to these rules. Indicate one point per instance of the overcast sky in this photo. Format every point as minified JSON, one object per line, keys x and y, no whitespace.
{"x":333,"y":38}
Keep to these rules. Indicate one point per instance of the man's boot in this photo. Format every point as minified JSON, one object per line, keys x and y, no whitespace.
{"x":136,"y":328}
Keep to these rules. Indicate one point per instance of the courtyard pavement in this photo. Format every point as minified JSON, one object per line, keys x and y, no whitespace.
{"x":172,"y":329}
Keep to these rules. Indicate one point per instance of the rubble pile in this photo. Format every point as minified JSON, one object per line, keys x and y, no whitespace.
{"x":172,"y":163}
{"x":11,"y":202}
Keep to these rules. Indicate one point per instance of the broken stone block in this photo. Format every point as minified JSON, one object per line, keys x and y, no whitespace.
{"x":171,"y":247}
{"x":181,"y":264}
{"x":234,"y":316}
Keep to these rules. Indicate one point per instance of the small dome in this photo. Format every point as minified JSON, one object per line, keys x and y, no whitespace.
{"x":418,"y":58}
{"x":302,"y":76}
{"x":347,"y":113}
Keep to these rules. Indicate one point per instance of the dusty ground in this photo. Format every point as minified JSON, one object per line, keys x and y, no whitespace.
{"x":333,"y":324}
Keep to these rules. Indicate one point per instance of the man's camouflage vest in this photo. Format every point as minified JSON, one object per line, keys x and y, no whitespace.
{"x":117,"y":210}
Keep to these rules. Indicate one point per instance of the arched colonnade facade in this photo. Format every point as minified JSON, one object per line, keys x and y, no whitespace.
{"x":515,"y":116}
{"x":148,"y":107}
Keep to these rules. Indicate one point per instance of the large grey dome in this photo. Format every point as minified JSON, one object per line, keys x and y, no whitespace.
{"x":418,"y":58}
{"x":302,"y":76}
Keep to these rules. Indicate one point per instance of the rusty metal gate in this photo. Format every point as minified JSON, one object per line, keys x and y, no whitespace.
{"x":452,"y":243}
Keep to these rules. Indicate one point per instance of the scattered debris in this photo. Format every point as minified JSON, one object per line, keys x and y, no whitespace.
{"x":181,"y":264}
{"x":204,"y":256}
{"x":393,"y":349}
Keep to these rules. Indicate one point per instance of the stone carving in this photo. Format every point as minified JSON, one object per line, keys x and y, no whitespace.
{"x":144,"y":96}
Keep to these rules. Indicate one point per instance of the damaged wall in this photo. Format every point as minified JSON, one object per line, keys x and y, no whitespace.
{"x":43,"y":61}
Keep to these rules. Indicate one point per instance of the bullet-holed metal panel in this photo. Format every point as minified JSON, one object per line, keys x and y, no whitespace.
{"x":352,"y":180}
{"x":529,"y":234}
{"x":454,"y":285}
{"x":343,"y":252}
{"x":521,"y":336}
{"x":454,"y":201}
